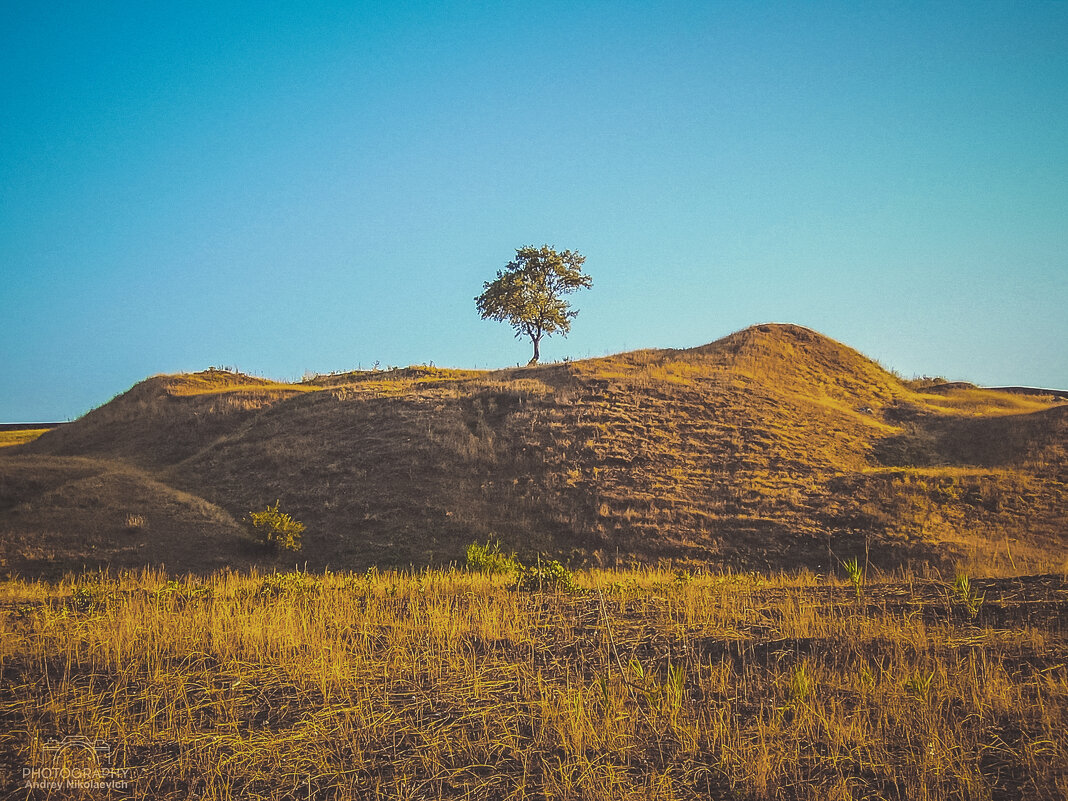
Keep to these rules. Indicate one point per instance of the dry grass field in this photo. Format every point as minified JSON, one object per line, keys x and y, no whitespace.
{"x":639,"y":684}
{"x":797,"y":576}
{"x":19,"y":436}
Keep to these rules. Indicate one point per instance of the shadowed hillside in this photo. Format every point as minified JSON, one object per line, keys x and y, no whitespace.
{"x":774,"y":447}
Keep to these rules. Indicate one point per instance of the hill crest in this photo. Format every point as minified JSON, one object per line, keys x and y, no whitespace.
{"x":768,"y":448}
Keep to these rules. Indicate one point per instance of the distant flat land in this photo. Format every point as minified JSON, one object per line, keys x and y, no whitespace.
{"x":19,"y":433}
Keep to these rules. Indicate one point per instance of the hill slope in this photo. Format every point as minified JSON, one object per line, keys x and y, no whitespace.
{"x":769,"y":448}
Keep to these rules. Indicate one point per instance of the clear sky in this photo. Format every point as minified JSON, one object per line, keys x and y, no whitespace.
{"x":291,"y":187}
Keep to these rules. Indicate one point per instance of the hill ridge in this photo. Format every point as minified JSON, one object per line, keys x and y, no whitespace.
{"x":768,"y":447}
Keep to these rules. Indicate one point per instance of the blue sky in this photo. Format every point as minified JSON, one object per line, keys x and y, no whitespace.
{"x":291,"y":187}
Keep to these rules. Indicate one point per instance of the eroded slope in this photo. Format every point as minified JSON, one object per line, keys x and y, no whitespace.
{"x":773,"y":447}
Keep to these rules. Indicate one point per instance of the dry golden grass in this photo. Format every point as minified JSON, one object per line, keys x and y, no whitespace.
{"x":986,"y":402}
{"x":649,"y":684}
{"x":20,"y":436}
{"x":774,"y":447}
{"x":277,"y":388}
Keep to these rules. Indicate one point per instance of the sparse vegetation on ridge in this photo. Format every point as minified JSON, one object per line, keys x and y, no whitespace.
{"x":773,"y":447}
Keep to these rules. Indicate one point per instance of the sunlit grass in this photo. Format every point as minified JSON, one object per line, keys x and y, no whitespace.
{"x":9,"y":438}
{"x":267,"y":388}
{"x":985,"y":402}
{"x":443,"y":684}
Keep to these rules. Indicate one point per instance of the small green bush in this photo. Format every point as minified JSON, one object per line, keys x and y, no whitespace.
{"x":545,"y":575}
{"x":276,"y":529}
{"x":491,"y":560}
{"x":549,"y":575}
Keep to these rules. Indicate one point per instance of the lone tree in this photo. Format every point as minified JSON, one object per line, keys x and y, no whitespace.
{"x":528,"y":293}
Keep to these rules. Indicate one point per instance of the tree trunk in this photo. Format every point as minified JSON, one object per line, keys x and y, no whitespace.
{"x":534,"y":358}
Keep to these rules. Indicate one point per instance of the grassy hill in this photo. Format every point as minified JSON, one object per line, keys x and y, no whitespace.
{"x":774,"y":447}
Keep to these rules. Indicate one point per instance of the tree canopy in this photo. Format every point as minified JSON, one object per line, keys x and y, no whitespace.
{"x":529,"y":293}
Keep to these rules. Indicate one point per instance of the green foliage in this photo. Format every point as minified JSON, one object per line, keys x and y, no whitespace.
{"x":178,"y":593}
{"x":963,"y":594}
{"x":856,"y":576}
{"x":550,"y":575}
{"x":288,"y":585}
{"x":919,"y":684}
{"x":620,"y":588}
{"x":682,"y":578}
{"x":528,"y":293}
{"x":674,"y":689}
{"x":799,"y":688}
{"x":276,"y":529}
{"x":545,"y":575}
{"x":489,"y":559}
{"x":662,"y":697}
{"x":92,"y":595}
